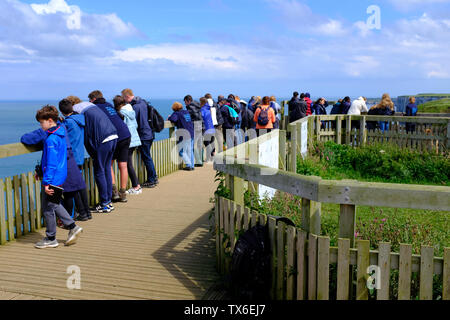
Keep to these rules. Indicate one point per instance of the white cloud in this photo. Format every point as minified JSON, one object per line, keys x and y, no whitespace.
{"x":299,"y":17}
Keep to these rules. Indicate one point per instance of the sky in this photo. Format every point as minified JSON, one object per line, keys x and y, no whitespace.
{"x":168,"y":49}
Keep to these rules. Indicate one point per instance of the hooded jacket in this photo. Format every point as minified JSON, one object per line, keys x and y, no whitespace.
{"x":54,"y":157}
{"x":108,"y":109}
{"x":141,"y":109}
{"x":215,"y":106}
{"x":74,"y":180}
{"x":75,"y":130}
{"x":309,"y":104}
{"x":358,"y":106}
{"x":98,"y":128}
{"x":194,"y":111}
{"x":411,"y":110}
{"x":182,"y":120}
{"x":130,"y":120}
{"x":345,"y":106}
{"x":207,"y":119}
{"x":226,"y":117}
{"x":297,"y":109}
{"x":319,"y":109}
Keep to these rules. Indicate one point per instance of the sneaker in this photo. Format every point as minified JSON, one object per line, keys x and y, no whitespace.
{"x":46,"y":243}
{"x":110,"y":206}
{"x":102,"y":209}
{"x":82,"y":218}
{"x":73,"y":235}
{"x":133,"y":191}
{"x":148,"y":185}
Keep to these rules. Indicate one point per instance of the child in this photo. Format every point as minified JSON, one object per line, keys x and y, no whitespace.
{"x":185,"y":132}
{"x":54,"y":168}
{"x":129,"y":117}
{"x":74,"y":124}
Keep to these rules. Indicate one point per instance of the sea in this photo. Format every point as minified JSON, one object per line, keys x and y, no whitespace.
{"x":18,"y":117}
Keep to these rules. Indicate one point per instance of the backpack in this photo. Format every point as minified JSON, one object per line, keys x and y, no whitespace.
{"x":234,"y":117}
{"x":251,"y":276}
{"x":155,"y":120}
{"x":263,"y":118}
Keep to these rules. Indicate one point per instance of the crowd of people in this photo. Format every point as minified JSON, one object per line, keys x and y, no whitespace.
{"x":109,"y":133}
{"x":301,"y":106}
{"x":114,"y":132}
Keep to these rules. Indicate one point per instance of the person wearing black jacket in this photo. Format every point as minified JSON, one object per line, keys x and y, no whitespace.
{"x":297,"y":107}
{"x":195,"y":111}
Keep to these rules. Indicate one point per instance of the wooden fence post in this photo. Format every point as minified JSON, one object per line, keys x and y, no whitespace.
{"x":404,"y":277}
{"x":384,"y":262}
{"x":2,"y":213}
{"x":293,"y":150}
{"x":291,"y":266}
{"x":343,"y":271}
{"x":311,"y":212}
{"x":323,"y":268}
{"x":348,"y":129}
{"x":281,"y":260}
{"x":362,"y":265}
{"x":362,"y":131}
{"x":339,"y":130}
{"x":312,"y":267}
{"x":426,"y":273}
{"x":282,"y":141}
{"x":446,"y":275}
{"x":301,"y":265}
{"x":347,"y":223}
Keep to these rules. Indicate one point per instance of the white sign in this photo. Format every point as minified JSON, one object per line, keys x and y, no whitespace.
{"x":268,"y":155}
{"x":304,"y":139}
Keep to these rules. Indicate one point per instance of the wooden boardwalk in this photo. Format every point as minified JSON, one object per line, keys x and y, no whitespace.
{"x":157,"y":246}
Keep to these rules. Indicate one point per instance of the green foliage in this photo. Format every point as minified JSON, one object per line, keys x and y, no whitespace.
{"x":376,"y":163}
{"x":437,"y":106}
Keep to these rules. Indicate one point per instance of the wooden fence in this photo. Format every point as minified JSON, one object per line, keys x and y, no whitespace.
{"x":20,"y":196}
{"x":241,"y":168}
{"x":301,"y":261}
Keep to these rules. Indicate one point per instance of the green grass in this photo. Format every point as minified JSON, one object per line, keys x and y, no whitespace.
{"x":375,"y":163}
{"x":437,"y":106}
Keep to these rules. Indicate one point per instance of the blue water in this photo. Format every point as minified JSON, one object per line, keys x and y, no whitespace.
{"x":18,"y":117}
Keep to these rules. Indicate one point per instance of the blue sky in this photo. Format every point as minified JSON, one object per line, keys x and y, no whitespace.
{"x":167,"y":49}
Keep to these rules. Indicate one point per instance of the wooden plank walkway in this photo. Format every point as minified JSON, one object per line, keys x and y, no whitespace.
{"x":157,"y":246}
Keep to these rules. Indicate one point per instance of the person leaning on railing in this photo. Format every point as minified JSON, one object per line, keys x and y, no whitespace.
{"x":411,"y":111}
{"x":264,"y":117}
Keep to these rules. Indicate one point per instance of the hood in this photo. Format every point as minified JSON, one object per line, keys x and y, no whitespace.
{"x":78,"y":118}
{"x":128,"y":111}
{"x":59,"y":131}
{"x":82,"y":107}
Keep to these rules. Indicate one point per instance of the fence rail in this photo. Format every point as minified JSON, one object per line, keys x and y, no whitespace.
{"x":240,"y":164}
{"x":20,"y":196}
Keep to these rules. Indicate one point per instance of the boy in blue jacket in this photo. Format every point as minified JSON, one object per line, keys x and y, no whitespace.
{"x":54,"y":169}
{"x":185,"y":134}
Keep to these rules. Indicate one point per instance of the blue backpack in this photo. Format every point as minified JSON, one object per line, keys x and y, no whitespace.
{"x":263,"y":118}
{"x":234,"y":117}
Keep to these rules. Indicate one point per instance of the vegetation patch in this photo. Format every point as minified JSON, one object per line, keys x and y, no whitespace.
{"x":375,"y":163}
{"x":437,"y":106}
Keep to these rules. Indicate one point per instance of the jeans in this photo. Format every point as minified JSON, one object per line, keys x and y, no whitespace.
{"x":384,"y":126}
{"x":50,"y":211}
{"x":185,"y":149}
{"x":148,"y":161}
{"x":102,"y":170}
{"x":131,"y":172}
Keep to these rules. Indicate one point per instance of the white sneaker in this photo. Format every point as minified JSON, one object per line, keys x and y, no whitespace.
{"x":133,"y":191}
{"x":73,"y":235}
{"x":46,"y":243}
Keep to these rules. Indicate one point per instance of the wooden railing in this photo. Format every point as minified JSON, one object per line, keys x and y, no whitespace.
{"x":241,"y":166}
{"x":20,"y":196}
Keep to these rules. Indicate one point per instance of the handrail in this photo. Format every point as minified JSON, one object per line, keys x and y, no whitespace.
{"x":348,"y":192}
{"x":17,"y":149}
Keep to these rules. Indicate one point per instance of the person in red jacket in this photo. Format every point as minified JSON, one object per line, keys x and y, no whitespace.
{"x":309,"y":103}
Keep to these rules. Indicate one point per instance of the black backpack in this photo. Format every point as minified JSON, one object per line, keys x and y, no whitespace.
{"x":251,"y":276}
{"x":155,"y":120}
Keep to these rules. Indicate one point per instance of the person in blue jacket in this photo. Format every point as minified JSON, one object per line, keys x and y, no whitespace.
{"x":54,"y":171}
{"x":100,"y":139}
{"x":122,"y":147}
{"x":145,"y":133}
{"x":208,"y":131}
{"x":74,"y":124}
{"x":185,"y":133}
{"x":411,"y":111}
